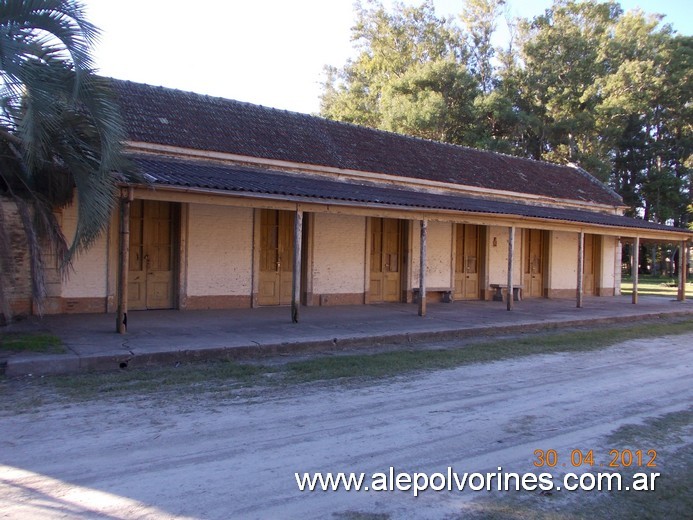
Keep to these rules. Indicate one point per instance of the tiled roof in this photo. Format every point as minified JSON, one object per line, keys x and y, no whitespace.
{"x":182,"y":119}
{"x":224,"y":177}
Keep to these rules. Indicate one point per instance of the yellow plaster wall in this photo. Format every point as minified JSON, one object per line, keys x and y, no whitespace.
{"x":89,"y":277}
{"x":611,"y":264}
{"x":219,"y":252}
{"x":498,"y":255}
{"x":563,"y":260}
{"x":438,"y":254}
{"x":339,"y":251}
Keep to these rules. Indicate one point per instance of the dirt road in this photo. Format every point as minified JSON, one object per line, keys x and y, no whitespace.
{"x":211,"y":458}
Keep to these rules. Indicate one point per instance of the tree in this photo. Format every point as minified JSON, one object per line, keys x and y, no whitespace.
{"x":408,"y":56}
{"x":561,"y":58}
{"x":581,"y":83}
{"x":479,"y":18}
{"x":645,"y":116}
{"x":60,"y":131}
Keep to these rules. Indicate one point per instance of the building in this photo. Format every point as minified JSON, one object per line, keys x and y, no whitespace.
{"x":250,"y":206}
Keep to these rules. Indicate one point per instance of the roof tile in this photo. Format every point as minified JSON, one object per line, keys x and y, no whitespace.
{"x":182,"y":119}
{"x":225,"y":177}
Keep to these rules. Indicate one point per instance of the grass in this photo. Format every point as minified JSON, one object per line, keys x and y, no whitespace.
{"x":12,"y":343}
{"x":655,"y":286}
{"x":387,"y":364}
{"x":669,"y":434}
{"x":225,"y":377}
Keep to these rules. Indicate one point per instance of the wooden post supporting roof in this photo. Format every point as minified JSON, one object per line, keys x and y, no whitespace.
{"x":580,"y":267}
{"x":422,"y":269}
{"x":511,"y":249}
{"x":683,"y":257}
{"x":124,"y":261}
{"x":634,"y":268}
{"x":296,"y":289}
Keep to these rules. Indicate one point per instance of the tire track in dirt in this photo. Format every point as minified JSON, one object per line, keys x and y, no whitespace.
{"x":237,"y":459}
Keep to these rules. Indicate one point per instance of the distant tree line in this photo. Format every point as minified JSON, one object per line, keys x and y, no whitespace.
{"x":582,"y":83}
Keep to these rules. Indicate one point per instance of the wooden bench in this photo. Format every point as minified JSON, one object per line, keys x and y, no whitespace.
{"x":498,"y":295}
{"x":445,"y":292}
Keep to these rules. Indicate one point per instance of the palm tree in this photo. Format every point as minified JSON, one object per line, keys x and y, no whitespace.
{"x":60,"y":133}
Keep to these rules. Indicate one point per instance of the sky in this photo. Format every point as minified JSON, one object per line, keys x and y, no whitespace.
{"x":268,"y":52}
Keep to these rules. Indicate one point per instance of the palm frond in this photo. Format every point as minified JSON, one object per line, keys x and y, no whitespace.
{"x":60,"y":129}
{"x":63,"y":21}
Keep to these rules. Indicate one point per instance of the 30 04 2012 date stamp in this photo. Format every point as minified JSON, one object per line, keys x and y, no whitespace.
{"x":625,"y":458}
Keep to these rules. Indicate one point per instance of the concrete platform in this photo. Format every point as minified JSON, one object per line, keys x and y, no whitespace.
{"x":168,"y":337}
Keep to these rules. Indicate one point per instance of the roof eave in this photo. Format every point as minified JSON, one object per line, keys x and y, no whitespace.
{"x":410,"y":212}
{"x":138,"y":147}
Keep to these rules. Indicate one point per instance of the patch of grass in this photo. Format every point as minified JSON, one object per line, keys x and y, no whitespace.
{"x":655,"y":286}
{"x":386,"y":364}
{"x":222,"y":378}
{"x":35,"y":342}
{"x":669,"y":434}
{"x":208,"y":375}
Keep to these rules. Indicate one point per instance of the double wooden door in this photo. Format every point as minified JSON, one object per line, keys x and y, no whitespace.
{"x":151,"y":262}
{"x":467,"y":264}
{"x":533,"y":263}
{"x":276,"y":257}
{"x":590,"y":264}
{"x":386,"y":260}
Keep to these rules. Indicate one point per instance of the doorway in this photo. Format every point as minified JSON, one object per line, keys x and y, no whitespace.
{"x":533,"y":244}
{"x":151,"y":261}
{"x":386,"y":260}
{"x":467,"y":261}
{"x":276,"y":257}
{"x":591,"y":264}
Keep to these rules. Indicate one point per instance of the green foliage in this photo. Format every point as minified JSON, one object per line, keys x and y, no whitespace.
{"x":582,"y":83}
{"x":431,"y":100}
{"x":59,"y":129}
{"x":43,"y":343}
{"x":409,"y":56}
{"x":664,"y":286}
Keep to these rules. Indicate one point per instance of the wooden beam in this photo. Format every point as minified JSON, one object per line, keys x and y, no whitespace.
{"x":511,"y":252}
{"x":296,"y":290}
{"x":635,"y":258}
{"x":124,"y":261}
{"x":282,"y":202}
{"x":580,"y":267}
{"x":422,"y":269}
{"x":683,"y":256}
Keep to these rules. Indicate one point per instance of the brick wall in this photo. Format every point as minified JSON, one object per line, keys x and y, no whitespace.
{"x":16,"y":282}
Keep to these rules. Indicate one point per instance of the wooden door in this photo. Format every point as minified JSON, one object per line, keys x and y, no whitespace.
{"x":151,"y":276}
{"x":276,"y":257}
{"x":591,"y":265}
{"x":533,"y":245}
{"x":386,"y":260}
{"x":467,"y":266}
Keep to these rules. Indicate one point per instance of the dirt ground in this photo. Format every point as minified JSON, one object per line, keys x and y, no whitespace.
{"x":191,"y":456}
